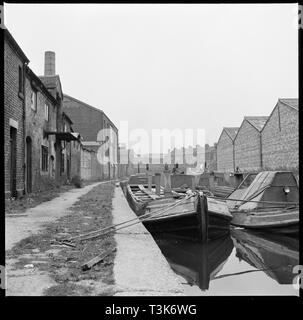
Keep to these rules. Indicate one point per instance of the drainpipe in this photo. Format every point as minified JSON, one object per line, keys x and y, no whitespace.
{"x":24,"y":128}
{"x":58,"y":143}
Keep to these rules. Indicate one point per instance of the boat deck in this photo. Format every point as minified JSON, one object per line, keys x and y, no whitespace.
{"x":142,"y":194}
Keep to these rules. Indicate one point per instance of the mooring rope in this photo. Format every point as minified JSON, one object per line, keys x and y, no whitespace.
{"x":255,"y":201}
{"x":137,"y":219}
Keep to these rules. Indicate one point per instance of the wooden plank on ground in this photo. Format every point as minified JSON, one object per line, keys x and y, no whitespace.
{"x":89,"y":264}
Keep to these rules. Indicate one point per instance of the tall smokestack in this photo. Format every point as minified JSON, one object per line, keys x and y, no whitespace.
{"x":49,"y":63}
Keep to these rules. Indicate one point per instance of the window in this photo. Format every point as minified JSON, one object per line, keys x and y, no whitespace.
{"x":65,"y":127}
{"x":44,"y":158}
{"x":34,"y":100}
{"x":46,"y":114}
{"x":20,"y":80}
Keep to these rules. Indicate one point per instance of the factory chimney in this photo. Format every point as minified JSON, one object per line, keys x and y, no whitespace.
{"x":49,"y":63}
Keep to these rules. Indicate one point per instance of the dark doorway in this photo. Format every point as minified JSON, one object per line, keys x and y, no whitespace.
{"x":28,"y":164}
{"x":68,"y":169}
{"x":13,"y":161}
{"x":52,"y":166}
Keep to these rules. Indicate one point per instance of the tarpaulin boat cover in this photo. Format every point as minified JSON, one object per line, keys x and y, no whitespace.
{"x":267,"y":186}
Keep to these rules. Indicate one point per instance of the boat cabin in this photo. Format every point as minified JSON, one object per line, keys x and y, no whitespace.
{"x":266,"y":189}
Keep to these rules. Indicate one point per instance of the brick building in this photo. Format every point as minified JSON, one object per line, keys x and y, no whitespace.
{"x":14,"y":112}
{"x":280,"y":136}
{"x":210,"y":158}
{"x":89,"y":121}
{"x":63,"y":134}
{"x":225,"y":150}
{"x":41,"y":116}
{"x":188,"y":158}
{"x":126,"y":166}
{"x":86,"y":169}
{"x":75,"y":157}
{"x":70,"y":150}
{"x":247,"y":144}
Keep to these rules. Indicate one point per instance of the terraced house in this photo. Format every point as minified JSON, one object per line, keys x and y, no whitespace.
{"x":48,"y":133}
{"x":15,"y":62}
{"x":41,"y":116}
{"x":37,"y":133}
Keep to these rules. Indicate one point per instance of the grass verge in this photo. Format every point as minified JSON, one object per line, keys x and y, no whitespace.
{"x":92,"y":211}
{"x":21,"y":204}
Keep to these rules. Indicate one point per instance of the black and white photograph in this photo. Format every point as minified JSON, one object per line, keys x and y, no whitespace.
{"x":151,"y":150}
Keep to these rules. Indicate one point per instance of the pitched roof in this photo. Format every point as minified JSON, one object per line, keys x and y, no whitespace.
{"x":292,"y":102}
{"x":8,"y":36}
{"x":67,"y":117}
{"x":81,"y":102}
{"x":52,"y":83}
{"x":39,"y":83}
{"x":231,"y":131}
{"x":257,"y":121}
{"x":66,"y":97}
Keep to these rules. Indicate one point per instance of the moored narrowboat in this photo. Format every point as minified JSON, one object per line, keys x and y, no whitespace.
{"x":190,"y":215}
{"x":269,"y":202}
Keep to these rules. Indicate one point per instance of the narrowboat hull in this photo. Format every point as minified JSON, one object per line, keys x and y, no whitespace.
{"x":278,"y":221}
{"x":181,"y":216}
{"x":188,"y":226}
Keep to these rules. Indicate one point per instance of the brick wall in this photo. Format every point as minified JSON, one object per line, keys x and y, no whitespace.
{"x":86,"y":121}
{"x":225,"y":162}
{"x":86,"y":172}
{"x":75,"y":158}
{"x":13,"y":116}
{"x":280,"y":139}
{"x":210,"y":157}
{"x":36,"y":124}
{"x":91,"y":169}
{"x":247,"y":148}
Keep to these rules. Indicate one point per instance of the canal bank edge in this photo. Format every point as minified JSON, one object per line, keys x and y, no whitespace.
{"x":140,"y":269}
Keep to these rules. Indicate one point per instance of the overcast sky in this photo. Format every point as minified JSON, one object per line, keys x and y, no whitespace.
{"x":166,"y":66}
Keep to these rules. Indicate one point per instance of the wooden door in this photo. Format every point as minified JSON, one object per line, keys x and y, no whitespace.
{"x":13,"y":162}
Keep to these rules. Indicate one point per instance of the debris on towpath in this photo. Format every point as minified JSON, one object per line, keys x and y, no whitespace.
{"x":81,"y":269}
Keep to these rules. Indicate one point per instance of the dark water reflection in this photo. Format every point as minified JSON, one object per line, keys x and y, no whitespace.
{"x":242,"y":263}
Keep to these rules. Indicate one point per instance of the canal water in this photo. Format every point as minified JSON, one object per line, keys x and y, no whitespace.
{"x":241,"y":263}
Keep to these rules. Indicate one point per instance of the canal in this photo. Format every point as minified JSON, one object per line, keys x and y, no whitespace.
{"x":241,"y":263}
